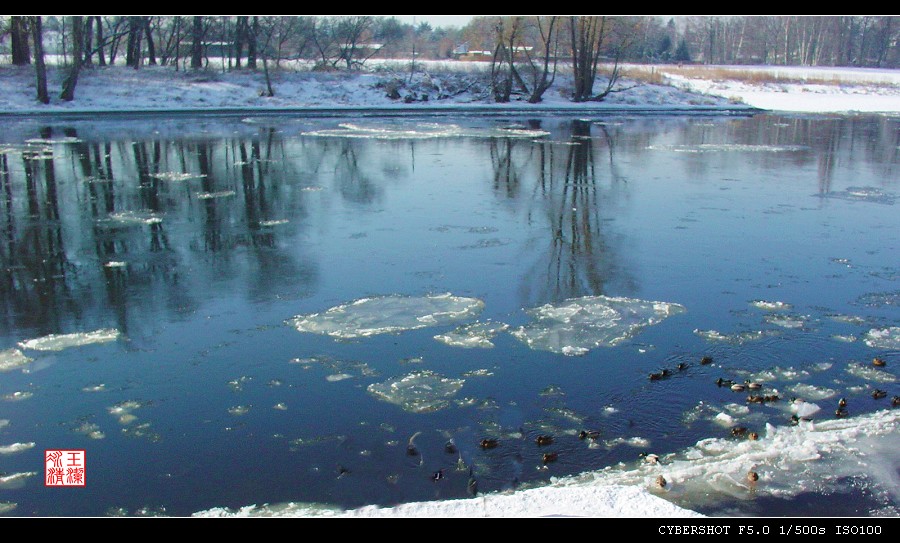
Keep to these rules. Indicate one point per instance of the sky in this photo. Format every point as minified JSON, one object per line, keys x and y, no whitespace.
{"x":436,"y":20}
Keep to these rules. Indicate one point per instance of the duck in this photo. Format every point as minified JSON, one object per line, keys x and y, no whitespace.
{"x":755,"y":399}
{"x":878,"y":394}
{"x":706,"y":360}
{"x":753,"y":436}
{"x":879,"y":362}
{"x":724,"y":382}
{"x":589,"y":434}
{"x":438,"y":475}
{"x":489,"y":443}
{"x":656,"y":376}
{"x":771,"y":398}
{"x":661,"y":482}
{"x":841,"y":413}
{"x":842,"y":403}
{"x":753,"y":385}
{"x":895,"y":401}
{"x":739,"y":431}
{"x":450,"y":447}
{"x":544,"y":440}
{"x":550,"y":457}
{"x":681,"y":366}
{"x":737,"y":387}
{"x":752,"y":476}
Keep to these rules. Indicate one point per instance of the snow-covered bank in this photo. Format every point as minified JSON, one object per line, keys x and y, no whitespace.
{"x":814,"y":456}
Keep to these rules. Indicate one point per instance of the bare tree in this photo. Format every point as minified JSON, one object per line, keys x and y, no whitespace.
{"x":68,"y":87}
{"x":340,"y":40}
{"x":587,"y":34}
{"x":18,"y":29}
{"x":197,"y":43}
{"x":40,"y":69}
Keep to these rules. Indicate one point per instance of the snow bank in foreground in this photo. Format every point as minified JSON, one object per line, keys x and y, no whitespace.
{"x":788,"y":460}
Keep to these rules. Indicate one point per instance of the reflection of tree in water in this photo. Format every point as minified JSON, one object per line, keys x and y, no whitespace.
{"x":164,"y":269}
{"x":580,"y":258}
{"x":354,"y":185}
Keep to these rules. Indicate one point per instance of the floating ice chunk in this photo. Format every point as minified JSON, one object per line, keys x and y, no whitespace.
{"x":53,"y":141}
{"x":477,"y":334}
{"x":724,"y":419}
{"x":15,"y":480}
{"x":115,"y":264}
{"x":770,"y":306}
{"x":58,"y":342}
{"x":418,"y":392}
{"x":883,"y":338}
{"x":11,"y":359}
{"x":422,"y":131}
{"x":176,"y":176}
{"x":91,"y":430}
{"x":728,"y":147}
{"x":735,"y":339}
{"x":135,"y":217}
{"x":812,"y":392}
{"x":217,"y":194}
{"x":6,"y":507}
{"x":862,"y":194}
{"x":870,"y":373}
{"x":478,"y":373}
{"x":280,"y":406}
{"x":805,"y":409}
{"x":122,"y":411}
{"x":577,"y":325}
{"x":787,"y":321}
{"x":4,"y":423}
{"x":337,"y":377}
{"x":388,"y":314}
{"x":18,"y":395}
{"x":274,"y":222}
{"x":843,"y":339}
{"x":880,"y":299}
{"x":239,"y":410}
{"x":16,"y":448}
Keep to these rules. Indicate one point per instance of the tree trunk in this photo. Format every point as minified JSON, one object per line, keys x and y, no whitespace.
{"x":197,"y":45}
{"x":88,"y":42}
{"x":19,"y":38}
{"x":240,"y":35}
{"x":40,"y":70}
{"x":133,"y":48}
{"x":151,"y":50}
{"x":101,"y":60}
{"x":251,"y":43}
{"x":68,"y":88}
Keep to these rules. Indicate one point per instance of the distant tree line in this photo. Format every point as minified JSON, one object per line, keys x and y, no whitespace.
{"x":525,"y":52}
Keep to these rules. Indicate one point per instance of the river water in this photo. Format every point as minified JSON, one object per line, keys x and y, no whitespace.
{"x":222,"y":312}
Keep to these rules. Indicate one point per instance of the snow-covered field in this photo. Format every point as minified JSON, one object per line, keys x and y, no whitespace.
{"x":446,"y":84}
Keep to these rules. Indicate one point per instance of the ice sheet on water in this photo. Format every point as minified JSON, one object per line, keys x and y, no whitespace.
{"x":134,"y":217}
{"x":123,"y":411}
{"x":812,"y":392}
{"x":423,"y":131}
{"x":477,"y":334}
{"x":12,"y":359}
{"x":883,"y":338}
{"x":770,"y":306}
{"x":90,"y":429}
{"x":736,"y":339}
{"x":216,"y":194}
{"x":790,"y":460}
{"x":418,"y":392}
{"x":577,"y":325}
{"x":388,"y":314}
{"x":15,"y":480}
{"x":729,"y":147}
{"x":176,"y":176}
{"x":870,"y":373}
{"x":58,"y":342}
{"x":862,"y":194}
{"x":787,"y":321}
{"x":18,"y":395}
{"x":14,"y":448}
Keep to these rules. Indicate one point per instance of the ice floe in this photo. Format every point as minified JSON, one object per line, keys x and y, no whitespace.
{"x":735,"y":339}
{"x":787,"y":321}
{"x":18,"y":395}
{"x":729,"y":147}
{"x":577,"y":325}
{"x":862,"y":194}
{"x":15,"y":480}
{"x":883,"y":338}
{"x":812,"y":392}
{"x":135,"y":217}
{"x":419,"y":391}
{"x":870,"y":373}
{"x":388,"y":314}
{"x":423,"y":131}
{"x":770,"y":306}
{"x":123,"y":411}
{"x":58,"y":342}
{"x":176,"y":176}
{"x":217,"y":194}
{"x":16,"y":447}
{"x":477,"y":334}
{"x":12,"y":359}
{"x":90,"y":429}
{"x":6,"y":507}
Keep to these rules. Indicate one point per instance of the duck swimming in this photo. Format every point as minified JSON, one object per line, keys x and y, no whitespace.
{"x":878,"y":394}
{"x":489,"y":443}
{"x":706,"y":360}
{"x":544,"y":440}
{"x":589,"y":434}
{"x":661,"y":482}
{"x":879,"y":362}
{"x":550,"y":457}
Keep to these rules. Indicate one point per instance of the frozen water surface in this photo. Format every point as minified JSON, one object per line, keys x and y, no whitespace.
{"x":477,"y":334}
{"x":418,"y":392}
{"x":58,"y":342}
{"x":423,"y":131}
{"x":578,"y":325}
{"x":388,"y":314}
{"x":884,"y":338}
{"x":12,"y":359}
